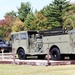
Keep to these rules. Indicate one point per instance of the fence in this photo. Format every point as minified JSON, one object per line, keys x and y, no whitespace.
{"x":4,"y":56}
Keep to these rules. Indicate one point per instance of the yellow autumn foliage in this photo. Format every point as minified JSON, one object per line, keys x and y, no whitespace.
{"x":18,"y":25}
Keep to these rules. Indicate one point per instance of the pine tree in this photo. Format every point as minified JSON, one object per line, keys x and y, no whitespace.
{"x":54,"y":12}
{"x":24,"y":10}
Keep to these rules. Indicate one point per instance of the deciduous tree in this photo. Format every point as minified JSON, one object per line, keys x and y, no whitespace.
{"x":69,"y":18}
{"x":18,"y":25}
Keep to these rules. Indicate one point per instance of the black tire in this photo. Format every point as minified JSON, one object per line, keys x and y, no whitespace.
{"x":55,"y":54}
{"x":21,"y":54}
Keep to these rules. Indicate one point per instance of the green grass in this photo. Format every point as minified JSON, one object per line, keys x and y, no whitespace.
{"x":36,"y":70}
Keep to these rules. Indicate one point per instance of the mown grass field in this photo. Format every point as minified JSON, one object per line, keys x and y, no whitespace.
{"x":36,"y":70}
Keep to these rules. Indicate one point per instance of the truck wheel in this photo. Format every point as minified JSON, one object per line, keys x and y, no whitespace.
{"x":55,"y":54}
{"x":21,"y":54}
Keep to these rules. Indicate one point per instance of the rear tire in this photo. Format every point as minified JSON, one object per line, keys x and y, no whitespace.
{"x":55,"y":54}
{"x":21,"y":54}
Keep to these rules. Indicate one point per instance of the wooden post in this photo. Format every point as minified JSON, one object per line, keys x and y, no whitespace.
{"x":13,"y":55}
{"x":2,"y":53}
{"x":48,"y":57}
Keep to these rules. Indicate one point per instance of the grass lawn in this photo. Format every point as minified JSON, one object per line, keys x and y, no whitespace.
{"x":36,"y":70}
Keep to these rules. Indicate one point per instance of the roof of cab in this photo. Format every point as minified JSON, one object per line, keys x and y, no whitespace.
{"x":30,"y":31}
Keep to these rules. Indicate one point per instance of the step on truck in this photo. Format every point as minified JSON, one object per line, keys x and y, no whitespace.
{"x":61,"y":43}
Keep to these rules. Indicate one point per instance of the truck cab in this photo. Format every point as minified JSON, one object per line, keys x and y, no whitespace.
{"x":26,"y":43}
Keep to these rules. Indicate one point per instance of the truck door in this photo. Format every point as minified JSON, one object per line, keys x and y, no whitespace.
{"x":73,"y":42}
{"x":15,"y":41}
{"x":31,"y":43}
{"x":24,"y":41}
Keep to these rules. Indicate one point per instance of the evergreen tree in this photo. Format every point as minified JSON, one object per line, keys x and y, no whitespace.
{"x":54,"y":12}
{"x":24,"y":10}
{"x":12,"y":13}
{"x":29,"y":19}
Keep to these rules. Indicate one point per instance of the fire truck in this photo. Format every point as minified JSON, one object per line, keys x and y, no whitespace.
{"x":58,"y":42}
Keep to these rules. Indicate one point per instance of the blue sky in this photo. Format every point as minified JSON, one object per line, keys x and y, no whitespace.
{"x":9,"y":5}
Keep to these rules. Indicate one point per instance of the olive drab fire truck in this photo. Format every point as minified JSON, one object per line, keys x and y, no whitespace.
{"x":61,"y":43}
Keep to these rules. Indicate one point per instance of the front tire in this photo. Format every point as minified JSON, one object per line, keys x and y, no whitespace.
{"x":55,"y":54}
{"x":21,"y":54}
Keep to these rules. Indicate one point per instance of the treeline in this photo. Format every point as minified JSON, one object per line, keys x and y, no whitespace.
{"x":59,"y":13}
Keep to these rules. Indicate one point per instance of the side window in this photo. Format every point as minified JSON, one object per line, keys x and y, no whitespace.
{"x":23,"y":36}
{"x":15,"y":37}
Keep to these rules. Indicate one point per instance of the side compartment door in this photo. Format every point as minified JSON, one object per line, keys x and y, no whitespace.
{"x":73,"y":42}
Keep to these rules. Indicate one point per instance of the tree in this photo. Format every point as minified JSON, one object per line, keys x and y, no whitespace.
{"x":69,"y":18}
{"x":2,"y":32}
{"x":54,"y":12}
{"x":36,"y":22}
{"x":2,"y":29}
{"x":24,"y":10}
{"x":18,"y":25}
{"x":12,"y":13}
{"x":7,"y":25}
{"x":29,"y":19}
{"x":39,"y":23}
